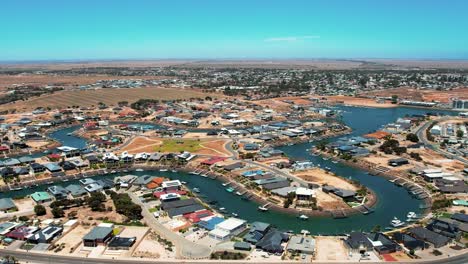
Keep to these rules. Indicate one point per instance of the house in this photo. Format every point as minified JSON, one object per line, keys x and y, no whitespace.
{"x":121,"y":243}
{"x":76,"y":190}
{"x":460,"y":217}
{"x":22,"y":232}
{"x":7,"y":227}
{"x":233,"y":166}
{"x":37,"y":168}
{"x":58,"y":192}
{"x":358,"y":242}
{"x":45,"y":235}
{"x":93,"y":187}
{"x":444,"y":228}
{"x":429,"y":236}
{"x":171,"y":185}
{"x":301,"y":244}
{"x":409,"y":242}
{"x":210,"y":224}
{"x":272,"y":240}
{"x":228,"y":228}
{"x":398,"y":162}
{"x":7,"y":204}
{"x":304,"y":193}
{"x":99,"y":235}
{"x":41,"y":197}
{"x":257,"y":231}
{"x":383,"y":244}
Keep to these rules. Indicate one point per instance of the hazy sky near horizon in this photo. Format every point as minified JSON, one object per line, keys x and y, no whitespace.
{"x":145,"y":29}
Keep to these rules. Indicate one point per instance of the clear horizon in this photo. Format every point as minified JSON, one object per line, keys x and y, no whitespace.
{"x":212,"y":30}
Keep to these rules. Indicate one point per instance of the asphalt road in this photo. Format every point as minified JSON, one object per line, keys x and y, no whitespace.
{"x":28,"y":257}
{"x":421,"y":133}
{"x":184,"y":247}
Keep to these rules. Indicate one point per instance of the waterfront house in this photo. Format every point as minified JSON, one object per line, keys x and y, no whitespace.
{"x":210,"y":223}
{"x":53,"y":167}
{"x":99,"y":235}
{"x":383,"y":244}
{"x":358,"y":242}
{"x":409,"y":242}
{"x":171,"y":185}
{"x":58,"y":192}
{"x":93,"y":187}
{"x":272,"y":240}
{"x":444,"y":228}
{"x":45,"y":235}
{"x":41,"y":197}
{"x":429,"y":236}
{"x":37,"y":168}
{"x":460,"y":217}
{"x":7,"y":204}
{"x":257,"y":231}
{"x":301,"y":244}
{"x":76,"y":190}
{"x":227,"y":229}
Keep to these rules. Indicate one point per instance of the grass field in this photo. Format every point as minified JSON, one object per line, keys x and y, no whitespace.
{"x":111,"y":97}
{"x":179,"y":145}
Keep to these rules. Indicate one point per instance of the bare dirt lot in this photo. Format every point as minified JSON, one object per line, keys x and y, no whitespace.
{"x":109,"y":96}
{"x":320,"y":176}
{"x":422,"y":95}
{"x":330,"y":249}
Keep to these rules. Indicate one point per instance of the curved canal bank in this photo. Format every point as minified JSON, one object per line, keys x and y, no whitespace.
{"x":391,"y":200}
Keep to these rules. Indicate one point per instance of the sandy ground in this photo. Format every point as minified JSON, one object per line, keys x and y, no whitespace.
{"x":141,"y":144}
{"x":422,"y":95}
{"x":151,"y":248}
{"x":329,"y":201}
{"x":72,"y":240}
{"x":330,"y":249}
{"x":320,"y":176}
{"x":25,"y":204}
{"x":109,"y":96}
{"x":349,"y":100}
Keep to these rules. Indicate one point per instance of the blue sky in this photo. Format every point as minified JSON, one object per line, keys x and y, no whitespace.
{"x":104,"y":29}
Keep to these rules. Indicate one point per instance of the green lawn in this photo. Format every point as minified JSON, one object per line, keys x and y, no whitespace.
{"x":178,"y":145}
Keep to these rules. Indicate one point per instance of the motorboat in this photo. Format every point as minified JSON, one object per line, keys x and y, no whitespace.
{"x":303,"y":217}
{"x":196,"y":190}
{"x":262,"y":208}
{"x":396,"y":222}
{"x":163,"y":170}
{"x":411,"y":215}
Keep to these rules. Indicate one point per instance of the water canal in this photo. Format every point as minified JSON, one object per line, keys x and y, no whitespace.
{"x":392,"y":200}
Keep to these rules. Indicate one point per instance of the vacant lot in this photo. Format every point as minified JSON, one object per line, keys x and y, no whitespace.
{"x":178,"y":145}
{"x":422,"y":95}
{"x":109,"y":96}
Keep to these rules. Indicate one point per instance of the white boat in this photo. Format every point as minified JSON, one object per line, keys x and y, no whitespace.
{"x":173,"y":170}
{"x":196,"y":190}
{"x":262,"y":208}
{"x":305,"y":232}
{"x":396,"y":222}
{"x":139,"y":170}
{"x":238,"y":193}
{"x":334,"y":161}
{"x":226,"y":184}
{"x":303,"y":217}
{"x":162,"y":170}
{"x":183,"y":182}
{"x":234,"y":214}
{"x":325,"y":158}
{"x":411,"y":215}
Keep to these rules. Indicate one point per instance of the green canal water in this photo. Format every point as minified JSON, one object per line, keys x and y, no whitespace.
{"x":392,"y":200}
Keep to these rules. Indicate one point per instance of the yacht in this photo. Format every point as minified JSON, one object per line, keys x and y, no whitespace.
{"x":303,"y":217}
{"x":262,"y":208}
{"x":162,"y":170}
{"x":396,"y":222}
{"x":411,"y":215}
{"x":196,"y":190}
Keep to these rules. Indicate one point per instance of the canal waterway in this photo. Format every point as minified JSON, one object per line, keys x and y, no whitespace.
{"x":392,"y":202}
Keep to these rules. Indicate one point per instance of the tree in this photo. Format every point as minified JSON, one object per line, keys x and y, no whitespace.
{"x":394,"y":99}
{"x":39,"y":210}
{"x":460,"y":133}
{"x":57,"y":212}
{"x":412,"y":137}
